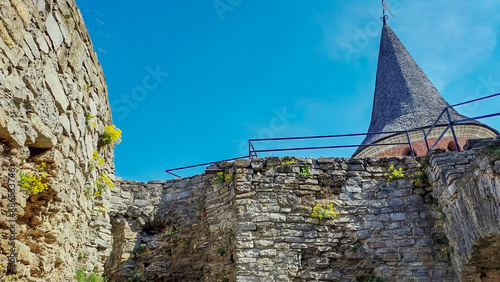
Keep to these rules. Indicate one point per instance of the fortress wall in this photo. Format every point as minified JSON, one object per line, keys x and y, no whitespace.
{"x":255,"y":225}
{"x":178,"y":230}
{"x":49,"y":80}
{"x":384,"y":228}
{"x":467,"y":185}
{"x":262,"y":218}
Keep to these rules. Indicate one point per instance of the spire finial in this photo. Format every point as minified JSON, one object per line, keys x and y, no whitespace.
{"x":385,"y":17}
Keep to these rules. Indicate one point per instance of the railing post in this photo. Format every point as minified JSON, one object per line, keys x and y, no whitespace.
{"x":425,"y":138}
{"x":249,"y":149}
{"x":409,"y":144}
{"x":452,"y":130}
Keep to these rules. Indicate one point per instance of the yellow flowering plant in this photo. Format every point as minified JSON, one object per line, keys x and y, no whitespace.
{"x":143,"y":250}
{"x":393,"y":173}
{"x":102,"y":182}
{"x":174,"y":239}
{"x":96,"y":161}
{"x":171,"y":232}
{"x":111,"y":135}
{"x":324,"y":212}
{"x":222,"y":177}
{"x":34,"y":182}
{"x":419,"y":179}
{"x":448,"y":250}
{"x":287,"y":161}
{"x":102,"y":208}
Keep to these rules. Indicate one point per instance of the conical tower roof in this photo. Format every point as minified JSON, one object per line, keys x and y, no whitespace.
{"x":404,"y":97}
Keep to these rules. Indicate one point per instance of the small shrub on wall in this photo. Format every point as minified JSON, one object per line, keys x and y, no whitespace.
{"x":93,"y":276}
{"x":394,"y":174}
{"x":35,"y":181}
{"x":324,"y":212}
{"x":111,"y":135}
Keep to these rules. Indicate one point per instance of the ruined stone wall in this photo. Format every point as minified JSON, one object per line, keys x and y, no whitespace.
{"x":179,"y":230}
{"x":467,"y":185}
{"x":384,"y":229}
{"x":441,"y":229}
{"x":262,"y":218}
{"x":50,"y":80}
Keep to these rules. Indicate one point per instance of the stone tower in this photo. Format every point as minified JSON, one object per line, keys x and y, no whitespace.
{"x":405,"y":99}
{"x":54,"y":108}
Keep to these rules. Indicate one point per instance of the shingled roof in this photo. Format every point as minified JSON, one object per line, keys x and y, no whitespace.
{"x":404,"y":97}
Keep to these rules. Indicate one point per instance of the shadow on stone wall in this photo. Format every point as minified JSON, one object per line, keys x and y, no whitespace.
{"x":180,"y":230}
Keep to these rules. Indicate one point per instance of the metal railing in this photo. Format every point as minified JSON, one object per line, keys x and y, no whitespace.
{"x":169,"y":171}
{"x":253,"y":153}
{"x":451,"y":123}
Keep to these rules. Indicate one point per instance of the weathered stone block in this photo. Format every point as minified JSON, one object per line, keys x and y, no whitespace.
{"x":288,"y":199}
{"x":398,"y":216}
{"x":262,"y":244}
{"x":319,"y":262}
{"x":242,"y":163}
{"x":391,"y":257}
{"x":394,"y":202}
{"x":246,"y":226}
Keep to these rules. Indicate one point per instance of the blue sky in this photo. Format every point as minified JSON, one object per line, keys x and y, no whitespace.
{"x":191,"y":81}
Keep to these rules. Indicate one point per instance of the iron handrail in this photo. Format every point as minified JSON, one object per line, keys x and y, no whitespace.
{"x":252,"y":152}
{"x":323,"y":147}
{"x":198,"y":165}
{"x":450,"y":122}
{"x":460,"y":121}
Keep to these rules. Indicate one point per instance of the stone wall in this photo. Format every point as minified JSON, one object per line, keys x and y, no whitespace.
{"x":467,"y":185}
{"x":384,"y":229}
{"x":253,"y":224}
{"x":262,"y":219}
{"x":399,"y":230}
{"x":49,"y":80}
{"x":180,"y":230}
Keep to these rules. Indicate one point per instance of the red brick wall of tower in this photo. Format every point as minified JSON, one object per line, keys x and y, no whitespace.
{"x":421,"y":150}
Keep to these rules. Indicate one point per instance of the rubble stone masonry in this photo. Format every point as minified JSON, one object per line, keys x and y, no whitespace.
{"x":50,"y":79}
{"x":398,"y":230}
{"x":248,"y":220}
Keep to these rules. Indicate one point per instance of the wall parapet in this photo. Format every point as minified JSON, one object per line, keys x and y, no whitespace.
{"x":384,"y":228}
